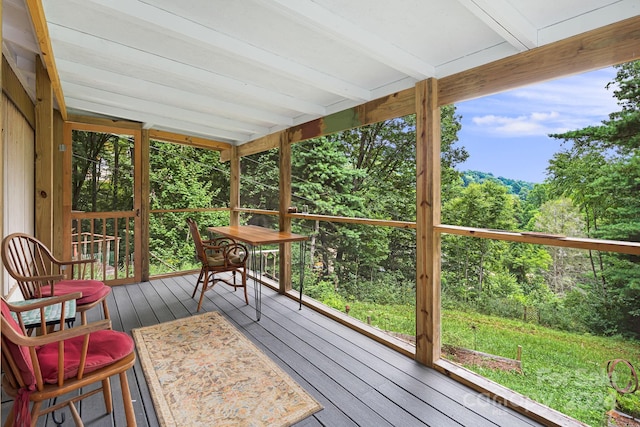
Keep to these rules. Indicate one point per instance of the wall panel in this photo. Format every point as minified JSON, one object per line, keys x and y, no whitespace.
{"x":18,"y":176}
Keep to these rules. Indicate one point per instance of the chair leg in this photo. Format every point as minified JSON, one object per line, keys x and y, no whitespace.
{"x":105,"y":309}
{"x":10,"y":418}
{"x":76,"y":416}
{"x":35,"y":413}
{"x":205,"y":283}
{"x":106,"y":394}
{"x":197,"y":283}
{"x":126,"y":399}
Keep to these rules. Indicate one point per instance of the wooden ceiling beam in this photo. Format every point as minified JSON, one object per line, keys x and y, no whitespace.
{"x":209,"y":38}
{"x":388,"y":107}
{"x":330,"y":23}
{"x":42,"y":33}
{"x":192,"y":141}
{"x":506,"y":21}
{"x":610,"y":45}
{"x":209,"y":79}
{"x":603,"y":47}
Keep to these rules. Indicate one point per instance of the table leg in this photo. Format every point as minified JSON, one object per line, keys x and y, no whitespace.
{"x":303,"y":254}
{"x":256,"y":266}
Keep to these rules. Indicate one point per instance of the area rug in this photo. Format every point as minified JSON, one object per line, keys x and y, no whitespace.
{"x":202,"y":371}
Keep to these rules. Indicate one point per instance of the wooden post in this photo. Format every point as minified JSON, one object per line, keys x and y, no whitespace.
{"x":138,"y":183}
{"x":145,"y":203}
{"x":234,"y":183}
{"x":67,"y":138}
{"x":44,"y":156}
{"x":519,"y":355}
{"x":58,"y":186}
{"x":284,"y":278}
{"x":427,"y":215}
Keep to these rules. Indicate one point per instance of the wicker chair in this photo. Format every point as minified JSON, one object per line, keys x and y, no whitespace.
{"x":218,"y":256}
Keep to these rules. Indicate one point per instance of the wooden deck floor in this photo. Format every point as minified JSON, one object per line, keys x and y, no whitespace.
{"x":358,"y":381}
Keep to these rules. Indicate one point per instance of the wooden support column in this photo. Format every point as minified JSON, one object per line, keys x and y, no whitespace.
{"x":67,"y":197}
{"x":285,"y":202}
{"x":59,"y":182}
{"x":44,"y":156}
{"x":428,"y":214}
{"x":145,"y":203}
{"x":234,"y":183}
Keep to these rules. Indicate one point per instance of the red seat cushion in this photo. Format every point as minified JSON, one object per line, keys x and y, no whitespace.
{"x":92,"y":290}
{"x":105,"y":347}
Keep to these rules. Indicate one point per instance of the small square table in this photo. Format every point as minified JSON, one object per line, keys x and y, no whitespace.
{"x":256,"y":236}
{"x":31,"y":318}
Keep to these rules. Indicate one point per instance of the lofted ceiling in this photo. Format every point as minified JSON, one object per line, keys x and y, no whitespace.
{"x":233,"y":71}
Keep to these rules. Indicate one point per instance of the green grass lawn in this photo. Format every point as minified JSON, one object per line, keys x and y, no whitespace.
{"x":564,"y":371}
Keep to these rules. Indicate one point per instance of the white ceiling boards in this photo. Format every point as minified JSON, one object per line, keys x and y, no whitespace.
{"x":234,"y":71}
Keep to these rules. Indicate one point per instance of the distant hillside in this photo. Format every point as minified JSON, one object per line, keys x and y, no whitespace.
{"x":519,"y":188}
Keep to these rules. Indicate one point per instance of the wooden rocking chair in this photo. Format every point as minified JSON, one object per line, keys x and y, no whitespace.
{"x":218,"y":256}
{"x":39,"y":274}
{"x":57,"y":363}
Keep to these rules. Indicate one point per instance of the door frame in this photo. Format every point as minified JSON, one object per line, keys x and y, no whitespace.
{"x":68,"y":216}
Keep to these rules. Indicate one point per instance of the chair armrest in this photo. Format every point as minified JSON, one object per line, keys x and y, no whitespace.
{"x":24,"y":313}
{"x":56,"y":336}
{"x":82,"y":263}
{"x":237,"y":249}
{"x":39,"y":304}
{"x":77,"y":261}
{"x":211,"y":247}
{"x":54,"y":277}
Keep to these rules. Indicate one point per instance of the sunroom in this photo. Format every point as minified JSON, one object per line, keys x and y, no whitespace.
{"x":249,"y":84}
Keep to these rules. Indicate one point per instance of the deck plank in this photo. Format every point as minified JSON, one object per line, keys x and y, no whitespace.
{"x":357,"y":380}
{"x":367,"y":355}
{"x":439,"y":391}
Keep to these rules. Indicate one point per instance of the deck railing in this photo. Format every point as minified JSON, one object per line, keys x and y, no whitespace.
{"x":108,"y":238}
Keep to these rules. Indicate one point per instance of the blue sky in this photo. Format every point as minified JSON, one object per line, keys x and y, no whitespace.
{"x":506,"y":134}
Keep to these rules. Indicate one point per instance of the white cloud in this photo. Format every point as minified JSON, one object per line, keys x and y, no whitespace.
{"x":534,"y":124}
{"x":507,"y":133}
{"x":550,"y":107}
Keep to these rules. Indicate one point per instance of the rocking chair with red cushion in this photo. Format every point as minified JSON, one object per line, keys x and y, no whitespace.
{"x":47,"y":366}
{"x":39,"y":274}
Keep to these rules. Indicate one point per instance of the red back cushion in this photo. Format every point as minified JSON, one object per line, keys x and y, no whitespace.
{"x":20,"y":354}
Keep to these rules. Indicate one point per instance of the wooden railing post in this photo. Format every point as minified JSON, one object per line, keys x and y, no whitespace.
{"x":427,"y":216}
{"x":234,"y":183}
{"x":145,"y":203}
{"x":44,"y":156}
{"x":284,"y":277}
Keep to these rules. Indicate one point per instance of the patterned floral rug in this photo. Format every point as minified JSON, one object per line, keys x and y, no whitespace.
{"x":202,"y":372}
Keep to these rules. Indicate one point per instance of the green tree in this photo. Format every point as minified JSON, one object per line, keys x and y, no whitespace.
{"x":102,"y":172}
{"x":466,"y":260}
{"x":600,"y":172}
{"x":183,"y":177}
{"x":368,"y":172}
{"x":559,"y":216}
{"x":534,"y":199}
